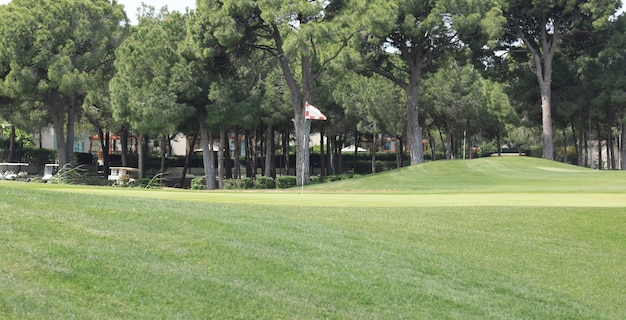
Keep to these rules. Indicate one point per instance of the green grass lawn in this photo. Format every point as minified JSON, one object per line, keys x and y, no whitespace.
{"x":509,"y":238}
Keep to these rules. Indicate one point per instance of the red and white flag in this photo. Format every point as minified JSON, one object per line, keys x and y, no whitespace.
{"x":313,"y":113}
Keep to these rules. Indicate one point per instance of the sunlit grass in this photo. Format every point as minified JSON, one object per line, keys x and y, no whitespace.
{"x":90,"y":253}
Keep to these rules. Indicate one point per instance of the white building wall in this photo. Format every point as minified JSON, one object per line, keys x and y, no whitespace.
{"x":179,"y":145}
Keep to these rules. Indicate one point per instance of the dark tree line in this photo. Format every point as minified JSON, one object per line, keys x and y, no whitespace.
{"x":424,"y":76}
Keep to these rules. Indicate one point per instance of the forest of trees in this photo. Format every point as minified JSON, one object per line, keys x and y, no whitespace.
{"x":545,"y":77}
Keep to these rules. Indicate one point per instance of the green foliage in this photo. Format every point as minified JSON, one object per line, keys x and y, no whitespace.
{"x":264,"y":183}
{"x":69,"y":174}
{"x":339,"y":177}
{"x":53,"y":53}
{"x":143,"y":94}
{"x":24,"y":138}
{"x":422,"y":35}
{"x":239,"y":184}
{"x":317,"y":179}
{"x":284,"y":182}
{"x":154,"y":182}
{"x":143,"y":183}
{"x":378,"y":104}
{"x":489,"y":148}
{"x":198,"y":183}
{"x":247,"y":183}
{"x":232,"y":184}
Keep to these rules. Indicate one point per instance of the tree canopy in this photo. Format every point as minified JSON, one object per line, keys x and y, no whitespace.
{"x":427,"y":75}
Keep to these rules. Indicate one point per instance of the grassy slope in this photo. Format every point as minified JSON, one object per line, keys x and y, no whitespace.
{"x":73,"y":255}
{"x":495,"y":174}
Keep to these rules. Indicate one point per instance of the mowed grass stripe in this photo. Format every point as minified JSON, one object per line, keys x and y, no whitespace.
{"x":93,"y":257}
{"x":364,"y":199}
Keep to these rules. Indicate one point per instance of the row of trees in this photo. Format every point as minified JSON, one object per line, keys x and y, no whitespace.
{"x":399,"y":68}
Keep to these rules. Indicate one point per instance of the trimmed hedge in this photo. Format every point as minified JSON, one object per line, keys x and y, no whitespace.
{"x":235,"y":184}
{"x":264,"y":183}
{"x":285,"y":182}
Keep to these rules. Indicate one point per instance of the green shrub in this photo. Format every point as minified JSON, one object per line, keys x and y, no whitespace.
{"x":232,"y":184}
{"x":198,"y":183}
{"x":143,"y":183}
{"x":285,"y":182}
{"x":336,"y":177}
{"x":94,"y":181}
{"x":237,"y":184}
{"x":247,"y":183}
{"x":67,"y":175}
{"x":264,"y":183}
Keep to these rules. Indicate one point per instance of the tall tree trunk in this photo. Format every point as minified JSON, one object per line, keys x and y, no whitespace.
{"x":322,"y":154}
{"x":357,"y":139}
{"x":610,"y":153}
{"x":339,"y":141}
{"x":11,"y":156}
{"x":105,"y":137}
{"x":124,"y":146}
{"x":414,"y":131}
{"x":164,"y":143}
{"x":237,"y":155}
{"x":71,"y":116}
{"x":449,"y":145}
{"x":543,"y":58}
{"x":142,"y":154}
{"x":58,"y":123}
{"x":285,"y":147}
{"x":600,"y":161}
{"x":576,"y":145}
{"x":269,"y":152}
{"x":332,"y":143}
{"x":398,"y":145}
{"x":249,"y":154}
{"x":584,"y":138}
{"x":432,"y":143}
{"x":228,"y":161}
{"x":546,"y":118}
{"x":564,"y":145}
{"x":401,"y":148}
{"x":188,"y":160}
{"x":41,"y":159}
{"x":221,"y":171}
{"x":374,"y":149}
{"x":261,"y":148}
{"x":327,"y":160}
{"x":467,"y":145}
{"x":610,"y":150}
{"x":298,"y":99}
{"x":622,"y":150}
{"x":207,"y":151}
{"x":443,"y":143}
